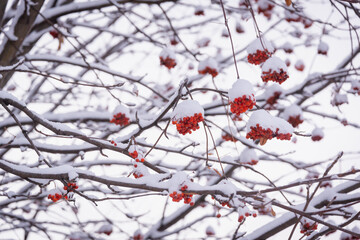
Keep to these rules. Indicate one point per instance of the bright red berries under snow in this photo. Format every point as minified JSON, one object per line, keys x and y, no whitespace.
{"x":293,"y":114}
{"x":208,"y":66}
{"x":248,"y":156}
{"x":259,"y":51}
{"x":121,"y":116}
{"x":167,"y":58}
{"x":241,"y":97}
{"x":263,"y":126}
{"x":187,"y":115}
{"x":317,"y":134}
{"x":274,"y":69}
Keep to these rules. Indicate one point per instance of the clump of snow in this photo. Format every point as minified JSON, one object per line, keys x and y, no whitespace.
{"x":106,"y":228}
{"x":317,"y":132}
{"x":240,"y":88}
{"x":274,"y":64}
{"x":248,"y":155}
{"x":177,"y":179}
{"x":339,"y":99}
{"x":203,"y":42}
{"x":121,"y":109}
{"x":187,"y":108}
{"x":299,"y":64}
{"x":266,"y":120}
{"x":260,"y":44}
{"x":271,"y":90}
{"x":288,"y":47}
{"x":210,"y":231}
{"x":292,"y":111}
{"x":323,"y":47}
{"x":210,"y":63}
{"x":167,"y":53}
{"x":355,"y":86}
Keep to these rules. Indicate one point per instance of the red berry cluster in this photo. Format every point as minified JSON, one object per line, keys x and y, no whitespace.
{"x":212,"y":71}
{"x":228,"y":137}
{"x":173,"y":42}
{"x":188,"y":124}
{"x":258,"y":57}
{"x":316,"y":138}
{"x":300,"y":67}
{"x":259,"y":132}
{"x":138,"y":237}
{"x":275,"y":76}
{"x":266,"y":11}
{"x":242,"y":104}
{"x":295,"y":120}
{"x":252,"y":162}
{"x":137,"y":175}
{"x":54,"y":33}
{"x":71,"y":186}
{"x":273,"y":99}
{"x":177,"y":197}
{"x":136,"y":156}
{"x":307,"y":227}
{"x":241,"y":217}
{"x":199,"y":13}
{"x":167,"y":62}
{"x":113,"y":143}
{"x":56,"y":197}
{"x":120,"y":119}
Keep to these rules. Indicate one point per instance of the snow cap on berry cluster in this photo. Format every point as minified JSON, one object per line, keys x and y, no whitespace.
{"x":121,"y":109}
{"x":339,"y":99}
{"x":266,"y":120}
{"x":240,"y":88}
{"x":323,"y":48}
{"x":274,"y":64}
{"x":292,"y":111}
{"x":187,"y":108}
{"x":271,"y":90}
{"x":208,"y":63}
{"x":355,"y":87}
{"x":317,"y":134}
{"x":210,"y":231}
{"x":105,"y":228}
{"x":258,"y":44}
{"x":248,"y":156}
{"x":177,"y":180}
{"x":203,"y":42}
{"x":167,"y":53}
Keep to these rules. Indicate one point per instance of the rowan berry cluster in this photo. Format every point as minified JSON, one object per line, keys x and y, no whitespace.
{"x":212,"y":71}
{"x":258,"y":57}
{"x":266,"y":9}
{"x":295,"y":120}
{"x":228,"y":137}
{"x":177,"y":197}
{"x":316,"y":138}
{"x":274,"y":76}
{"x":56,"y":197}
{"x":71,"y":186}
{"x":137,"y":175}
{"x":135,"y":155}
{"x":188,"y":124}
{"x":54,"y":33}
{"x":247,"y":214}
{"x":307,"y":226}
{"x":259,"y":132}
{"x":273,"y":99}
{"x":120,"y":119}
{"x":167,"y":62}
{"x":242,"y":104}
{"x":113,"y":143}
